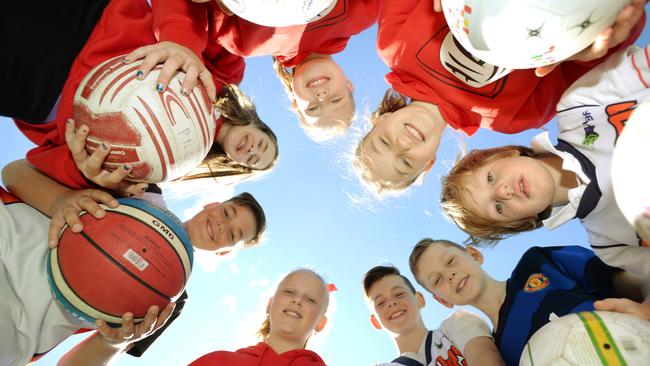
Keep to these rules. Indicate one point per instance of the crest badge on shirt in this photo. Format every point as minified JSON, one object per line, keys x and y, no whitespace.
{"x":467,"y":68}
{"x":536,"y":282}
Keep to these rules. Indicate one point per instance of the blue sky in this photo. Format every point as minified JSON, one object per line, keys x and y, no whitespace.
{"x":318,"y":216}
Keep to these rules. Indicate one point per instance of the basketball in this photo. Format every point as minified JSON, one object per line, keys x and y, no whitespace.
{"x":589,"y":338}
{"x":522,"y":34}
{"x":136,"y":256}
{"x":629,"y":178}
{"x":161,"y":135}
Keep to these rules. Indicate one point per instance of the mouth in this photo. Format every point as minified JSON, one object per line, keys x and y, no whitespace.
{"x":292,"y":314}
{"x":462,"y":284}
{"x":208,"y":226}
{"x":414,"y":132}
{"x":317,"y":81}
{"x":397,"y":314}
{"x":524,"y":188}
{"x":242,"y":143}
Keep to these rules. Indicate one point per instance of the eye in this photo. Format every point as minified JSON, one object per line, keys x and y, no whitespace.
{"x":435,"y":283}
{"x":312,"y":108}
{"x":311,"y":300}
{"x":406,"y":162}
{"x":336,"y":100}
{"x":399,"y":295}
{"x":288,"y":292}
{"x":451,"y":260}
{"x":232,"y":237}
{"x":225,"y":213}
{"x":490,"y":178}
{"x":498,"y":207}
{"x":384,"y":142}
{"x":380,"y":304}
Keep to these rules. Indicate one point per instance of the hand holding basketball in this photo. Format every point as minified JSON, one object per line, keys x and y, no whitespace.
{"x":640,"y":310}
{"x":610,"y":37}
{"x":67,"y":208}
{"x":175,"y":57}
{"x":91,"y":165}
{"x":130,"y":332}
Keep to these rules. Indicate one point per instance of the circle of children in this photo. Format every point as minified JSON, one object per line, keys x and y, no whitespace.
{"x":490,"y":194}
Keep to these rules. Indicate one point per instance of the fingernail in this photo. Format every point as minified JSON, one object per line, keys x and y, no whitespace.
{"x":68,"y":122}
{"x":99,"y":323}
{"x":160,"y":88}
{"x":125,"y":59}
{"x":52,"y":244}
{"x":128,"y":316}
{"x":185,"y":93}
{"x":139,"y":74}
{"x":77,"y":228}
{"x":127,"y":167}
{"x":101,"y":213}
{"x":104,"y":146}
{"x":83,"y":129}
{"x":144,"y":188}
{"x":154,"y":310}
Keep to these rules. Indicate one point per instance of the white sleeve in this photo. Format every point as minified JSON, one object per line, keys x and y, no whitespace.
{"x":622,"y":75}
{"x":462,"y":326}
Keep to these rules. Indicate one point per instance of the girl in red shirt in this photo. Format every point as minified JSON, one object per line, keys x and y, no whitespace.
{"x":295,"y":312}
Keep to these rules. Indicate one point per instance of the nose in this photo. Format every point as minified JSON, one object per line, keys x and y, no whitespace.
{"x":321,"y":94}
{"x":503,"y":190}
{"x":451,"y":276}
{"x":296,"y":300}
{"x":403,"y":142}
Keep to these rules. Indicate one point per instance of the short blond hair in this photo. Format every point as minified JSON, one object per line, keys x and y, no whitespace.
{"x":482,"y":231}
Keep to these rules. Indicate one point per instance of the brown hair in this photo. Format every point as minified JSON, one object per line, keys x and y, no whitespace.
{"x":391,"y":102}
{"x":316,"y":133}
{"x":419,"y":249}
{"x":236,"y":109}
{"x":265,"y":328}
{"x":247,"y":200}
{"x":482,"y":231}
{"x":376,"y":273}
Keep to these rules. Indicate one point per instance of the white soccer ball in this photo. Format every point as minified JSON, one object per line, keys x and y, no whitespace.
{"x":590,"y":338}
{"x":522,"y":34}
{"x":280,"y":13}
{"x":630,"y":180}
{"x":162,"y":136}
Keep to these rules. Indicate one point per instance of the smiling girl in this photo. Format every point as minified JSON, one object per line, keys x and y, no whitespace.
{"x":243,"y":143}
{"x":295,"y":312}
{"x":320,"y":93}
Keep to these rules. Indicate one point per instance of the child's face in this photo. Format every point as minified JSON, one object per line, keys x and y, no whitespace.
{"x":509,"y":189}
{"x":323,"y":94}
{"x":452,"y":275}
{"x":221,"y":225}
{"x":400,"y":145}
{"x":395,"y":306}
{"x":249,"y":146}
{"x":297,"y":306}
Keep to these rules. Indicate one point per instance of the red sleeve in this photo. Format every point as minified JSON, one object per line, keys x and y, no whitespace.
{"x":391,"y":19}
{"x":211,"y":359}
{"x":182,"y":22}
{"x":58,"y":164}
{"x":225,"y":67}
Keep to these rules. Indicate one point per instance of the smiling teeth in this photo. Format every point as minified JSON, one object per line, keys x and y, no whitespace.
{"x":414,"y":132}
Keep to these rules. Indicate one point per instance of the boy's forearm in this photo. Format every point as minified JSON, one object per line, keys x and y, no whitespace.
{"x":32,"y":186}
{"x":91,"y":352}
{"x":482,"y":351}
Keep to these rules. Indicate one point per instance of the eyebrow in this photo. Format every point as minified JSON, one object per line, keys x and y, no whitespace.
{"x":391,"y":290}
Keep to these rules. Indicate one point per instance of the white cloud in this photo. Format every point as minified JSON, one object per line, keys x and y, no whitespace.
{"x":229,"y":301}
{"x":260,"y":282}
{"x":234,"y":268}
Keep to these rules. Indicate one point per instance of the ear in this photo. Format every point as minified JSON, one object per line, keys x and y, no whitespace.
{"x":375,"y":323}
{"x":475,"y":253}
{"x":294,"y":106}
{"x":321,"y":324}
{"x":350,"y":85}
{"x":429,"y":165}
{"x":374,"y":121}
{"x":421,"y":301}
{"x":443,"y":302}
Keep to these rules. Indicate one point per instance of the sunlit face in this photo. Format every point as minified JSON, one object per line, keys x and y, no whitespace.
{"x":323,"y":94}
{"x":221,"y":225}
{"x":452,"y":274}
{"x":395,"y":306}
{"x":249,"y":146}
{"x":401,"y":144}
{"x":509,"y":189}
{"x":297,"y":306}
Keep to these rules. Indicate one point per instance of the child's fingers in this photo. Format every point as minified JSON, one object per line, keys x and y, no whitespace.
{"x":149,"y":321}
{"x":71,"y":217}
{"x":545,"y":70}
{"x":165,"y":314}
{"x":616,"y":305}
{"x":76,"y":144}
{"x":208,"y":83}
{"x":103,"y":197}
{"x":128,"y":327}
{"x":150,"y":61}
{"x":93,"y":165}
{"x":191,"y":75}
{"x":136,"y":54}
{"x":90,"y":205}
{"x":56,"y":224}
{"x":169,"y":69}
{"x":437,"y":6}
{"x":130,"y":189}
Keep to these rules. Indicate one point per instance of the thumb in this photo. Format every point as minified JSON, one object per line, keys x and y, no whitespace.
{"x":617,"y":305}
{"x":545,"y":70}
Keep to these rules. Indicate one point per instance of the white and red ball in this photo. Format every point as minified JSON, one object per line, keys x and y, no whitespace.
{"x":522,"y":34}
{"x":136,"y":256}
{"x":161,"y":135}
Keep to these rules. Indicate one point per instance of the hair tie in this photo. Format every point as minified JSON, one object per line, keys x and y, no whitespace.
{"x":331,"y":287}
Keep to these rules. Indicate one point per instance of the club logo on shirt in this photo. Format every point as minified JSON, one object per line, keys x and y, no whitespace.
{"x":467,"y":68}
{"x":618,"y":114}
{"x":536,"y":282}
{"x":590,"y":131}
{"x":454,"y":358}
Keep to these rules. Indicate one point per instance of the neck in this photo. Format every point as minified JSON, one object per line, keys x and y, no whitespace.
{"x":411,"y":340}
{"x":225,"y":127}
{"x":493,"y":296}
{"x":563,"y":180}
{"x":281,"y":345}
